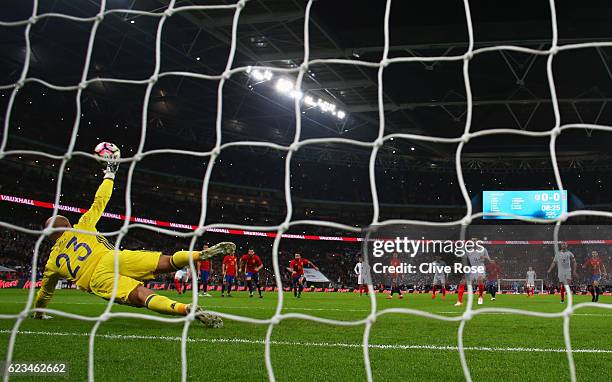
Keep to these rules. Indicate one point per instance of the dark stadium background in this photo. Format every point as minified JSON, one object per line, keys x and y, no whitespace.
{"x":415,"y":180}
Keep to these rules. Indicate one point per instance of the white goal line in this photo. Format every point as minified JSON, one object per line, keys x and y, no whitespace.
{"x":313,"y":344}
{"x":272,"y":308}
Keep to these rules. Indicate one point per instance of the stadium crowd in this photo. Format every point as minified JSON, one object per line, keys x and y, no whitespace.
{"x":251,"y":204}
{"x":336,"y":260}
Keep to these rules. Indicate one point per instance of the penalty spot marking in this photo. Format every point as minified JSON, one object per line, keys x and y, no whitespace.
{"x":315,"y":344}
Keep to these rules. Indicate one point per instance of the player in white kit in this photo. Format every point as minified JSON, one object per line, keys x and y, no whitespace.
{"x":477,"y":258}
{"x":363,"y":276}
{"x":181,"y":277}
{"x":566,"y":267}
{"x":530,"y":282}
{"x":439,"y":277}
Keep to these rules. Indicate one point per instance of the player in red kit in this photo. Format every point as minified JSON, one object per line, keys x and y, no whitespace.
{"x":493,"y":274}
{"x":598,"y":271}
{"x":296,"y":267}
{"x":204,"y":268}
{"x":251,"y":264}
{"x":228,"y":269}
{"x":395,"y":282}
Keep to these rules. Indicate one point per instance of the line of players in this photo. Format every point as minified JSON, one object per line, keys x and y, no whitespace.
{"x":250,"y":264}
{"x":564,"y":260}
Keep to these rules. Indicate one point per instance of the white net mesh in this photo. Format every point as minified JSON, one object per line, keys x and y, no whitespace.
{"x":297,"y":143}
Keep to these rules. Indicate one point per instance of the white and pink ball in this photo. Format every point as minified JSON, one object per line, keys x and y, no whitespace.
{"x":107,"y":151}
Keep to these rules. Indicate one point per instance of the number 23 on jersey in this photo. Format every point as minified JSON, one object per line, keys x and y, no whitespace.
{"x":76,"y":246}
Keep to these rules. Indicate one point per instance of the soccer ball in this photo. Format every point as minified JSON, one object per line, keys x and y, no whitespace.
{"x":106,"y":151}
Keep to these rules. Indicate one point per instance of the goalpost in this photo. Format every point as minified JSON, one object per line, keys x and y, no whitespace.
{"x":297,"y":143}
{"x":518,"y":285}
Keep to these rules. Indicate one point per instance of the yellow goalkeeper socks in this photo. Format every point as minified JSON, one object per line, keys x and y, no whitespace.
{"x":180,"y":259}
{"x":162,"y":304}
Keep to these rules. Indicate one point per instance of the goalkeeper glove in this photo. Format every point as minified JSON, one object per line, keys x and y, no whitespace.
{"x":111,"y":169}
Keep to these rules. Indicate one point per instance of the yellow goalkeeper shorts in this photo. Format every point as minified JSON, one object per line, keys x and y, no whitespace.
{"x":134,"y":267}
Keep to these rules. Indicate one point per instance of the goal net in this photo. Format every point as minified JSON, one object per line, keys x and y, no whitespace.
{"x":518,"y":285}
{"x":171,"y":10}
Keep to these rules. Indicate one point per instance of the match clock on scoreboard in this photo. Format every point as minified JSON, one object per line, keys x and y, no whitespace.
{"x":543,"y":204}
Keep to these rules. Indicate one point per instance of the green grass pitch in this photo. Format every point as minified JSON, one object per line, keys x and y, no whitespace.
{"x":405,"y":347}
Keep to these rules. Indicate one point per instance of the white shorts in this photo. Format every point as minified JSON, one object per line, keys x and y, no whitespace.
{"x":475,"y":276}
{"x":564,"y":276}
{"x":530,"y":284}
{"x":439,"y":280}
{"x":364,"y":278}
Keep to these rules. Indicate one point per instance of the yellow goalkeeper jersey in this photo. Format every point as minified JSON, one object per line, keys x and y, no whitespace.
{"x":75,"y":255}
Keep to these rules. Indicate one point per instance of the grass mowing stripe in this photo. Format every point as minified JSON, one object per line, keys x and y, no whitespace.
{"x":272,"y":308}
{"x":316,"y":344}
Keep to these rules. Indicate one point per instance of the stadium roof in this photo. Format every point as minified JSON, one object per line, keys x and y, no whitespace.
{"x":510,"y":89}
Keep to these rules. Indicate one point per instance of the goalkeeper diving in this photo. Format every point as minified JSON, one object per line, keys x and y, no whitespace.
{"x":88,"y":260}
